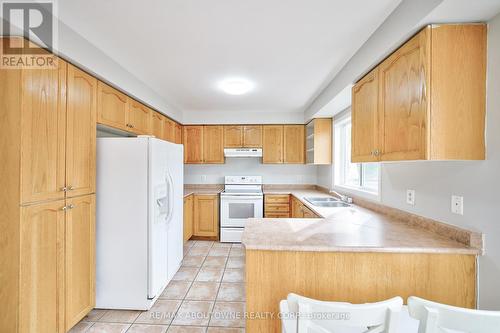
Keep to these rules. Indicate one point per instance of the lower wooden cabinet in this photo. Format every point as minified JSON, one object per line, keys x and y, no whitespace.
{"x":188,"y":217}
{"x":57,"y":264}
{"x":276,"y":206}
{"x":299,"y":210}
{"x":206,"y":215}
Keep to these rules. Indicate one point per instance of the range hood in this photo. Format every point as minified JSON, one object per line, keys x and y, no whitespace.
{"x":243,"y":152}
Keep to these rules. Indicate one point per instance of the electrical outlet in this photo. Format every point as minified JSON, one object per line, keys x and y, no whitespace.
{"x":457,"y":204}
{"x":410,"y":197}
{"x":203,"y":178}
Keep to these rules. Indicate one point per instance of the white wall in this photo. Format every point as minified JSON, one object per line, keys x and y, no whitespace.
{"x":477,"y":181}
{"x":236,"y":117}
{"x":271,"y":173}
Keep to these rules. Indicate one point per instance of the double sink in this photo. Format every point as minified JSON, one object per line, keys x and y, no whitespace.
{"x":326,"y":202}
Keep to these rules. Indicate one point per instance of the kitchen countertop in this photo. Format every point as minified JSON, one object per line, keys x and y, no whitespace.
{"x":202,"y":189}
{"x":348,"y":229}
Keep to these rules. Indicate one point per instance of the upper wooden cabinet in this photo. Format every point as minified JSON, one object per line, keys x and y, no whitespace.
{"x":203,"y":144}
{"x":193,"y":144}
{"x":157,"y":124}
{"x":112,"y":107}
{"x":272,"y":144}
{"x":293,"y":144}
{"x":233,"y":136}
{"x":168,"y":130}
{"x":178,"y":133}
{"x":247,"y":136}
{"x":319,"y":141}
{"x":365,"y":122}
{"x":139,"y":117}
{"x":431,"y":99}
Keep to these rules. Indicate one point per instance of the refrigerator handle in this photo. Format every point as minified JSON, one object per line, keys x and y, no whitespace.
{"x":170,"y":194}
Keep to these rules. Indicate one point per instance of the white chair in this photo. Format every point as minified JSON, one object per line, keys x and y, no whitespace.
{"x":440,"y":318}
{"x":305,"y":315}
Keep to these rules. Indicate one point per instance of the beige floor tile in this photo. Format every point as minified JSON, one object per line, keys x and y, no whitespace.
{"x":228,"y":314}
{"x":234,"y":275}
{"x":81,"y":327}
{"x":201,"y":243}
{"x":143,"y":328}
{"x":194,"y":261}
{"x":162,"y":312}
{"x":108,"y":328}
{"x":225,"y":330}
{"x":235,"y":262}
{"x":185,"y":274}
{"x":193,"y":313}
{"x":198,"y":251}
{"x":217,"y":244}
{"x":186,"y":329}
{"x":176,"y":290}
{"x":120,"y":316}
{"x":185,"y":250}
{"x":189,"y":243}
{"x":219,"y":251}
{"x":211,"y":261}
{"x":94,"y":315}
{"x":237,"y":252}
{"x":203,"y":291}
{"x":237,"y":246}
{"x":210,"y":274}
{"x":231,"y":292}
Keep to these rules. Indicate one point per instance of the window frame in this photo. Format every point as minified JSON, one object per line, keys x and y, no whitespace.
{"x":340,"y":165}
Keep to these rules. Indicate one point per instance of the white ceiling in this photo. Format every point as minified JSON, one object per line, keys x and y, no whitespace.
{"x":182,"y":48}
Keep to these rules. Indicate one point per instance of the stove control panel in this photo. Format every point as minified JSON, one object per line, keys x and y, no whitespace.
{"x":257,"y":180}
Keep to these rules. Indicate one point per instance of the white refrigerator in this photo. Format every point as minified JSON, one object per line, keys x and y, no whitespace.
{"x":139,"y":220}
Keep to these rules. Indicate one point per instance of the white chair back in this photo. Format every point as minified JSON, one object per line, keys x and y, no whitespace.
{"x":305,"y":315}
{"x":440,"y":318}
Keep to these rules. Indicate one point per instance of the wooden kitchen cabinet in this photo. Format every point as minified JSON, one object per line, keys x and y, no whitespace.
{"x":112,"y":107}
{"x":178,"y":133}
{"x":213,"y":144}
{"x":233,"y":136}
{"x":206,"y":215}
{"x":168,"y":130}
{"x":276,"y":205}
{"x":272,"y":144}
{"x":365,"y":121}
{"x":193,"y":144}
{"x":79,"y":258}
{"x":319,"y":141}
{"x":139,"y":120}
{"x":293,"y":144}
{"x":431,"y":99}
{"x":188,"y":217}
{"x":80,"y":132}
{"x":157,"y":124}
{"x":252,"y":136}
{"x":299,"y":210}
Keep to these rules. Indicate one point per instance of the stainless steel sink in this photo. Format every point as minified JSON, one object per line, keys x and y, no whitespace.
{"x":321,"y":199}
{"x":330,"y":204}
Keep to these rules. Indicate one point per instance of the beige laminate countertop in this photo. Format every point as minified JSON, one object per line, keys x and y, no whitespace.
{"x":188,"y":191}
{"x":349,"y":229}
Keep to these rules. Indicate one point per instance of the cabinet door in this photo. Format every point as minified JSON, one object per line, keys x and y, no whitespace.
{"x":403,"y":101}
{"x":188,"y":217}
{"x":365,"y":124}
{"x":309,"y":214}
{"x":294,"y":144}
{"x":112,"y":107}
{"x":178,"y":133}
{"x":43,"y":134}
{"x":297,"y":211}
{"x":168,"y":130}
{"x":41,"y":276}
{"x":213,"y":144}
{"x":193,"y":144}
{"x":139,"y":117}
{"x":80,"y":258}
{"x":272,"y":147}
{"x":206,"y":215}
{"x":233,"y":136}
{"x":157,"y":124}
{"x":80,"y":132}
{"x":252,"y":136}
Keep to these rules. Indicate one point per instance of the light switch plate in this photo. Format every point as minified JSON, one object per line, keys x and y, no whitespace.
{"x":410,"y":197}
{"x":457,"y":204}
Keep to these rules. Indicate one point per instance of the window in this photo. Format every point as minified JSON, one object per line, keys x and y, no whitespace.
{"x":357,"y":177}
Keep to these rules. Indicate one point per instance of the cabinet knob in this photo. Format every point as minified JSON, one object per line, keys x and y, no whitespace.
{"x":71,"y":188}
{"x":64,"y":189}
{"x":64,"y":208}
{"x":71,"y":206}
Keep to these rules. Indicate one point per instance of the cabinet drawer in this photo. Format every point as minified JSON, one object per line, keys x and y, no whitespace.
{"x":277,"y":207}
{"x":277,"y":199}
{"x":277,"y":215}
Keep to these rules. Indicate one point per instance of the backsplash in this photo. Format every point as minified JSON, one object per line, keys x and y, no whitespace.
{"x":271,"y":173}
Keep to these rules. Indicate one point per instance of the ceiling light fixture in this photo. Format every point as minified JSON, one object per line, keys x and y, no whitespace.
{"x":236,"y":86}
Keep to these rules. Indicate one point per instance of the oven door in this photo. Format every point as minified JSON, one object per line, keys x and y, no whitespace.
{"x":236,"y":209}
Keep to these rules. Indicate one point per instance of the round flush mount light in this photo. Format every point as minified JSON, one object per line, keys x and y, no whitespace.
{"x":236,"y":86}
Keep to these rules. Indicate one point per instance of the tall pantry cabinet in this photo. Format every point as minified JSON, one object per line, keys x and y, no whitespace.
{"x":47,"y":215}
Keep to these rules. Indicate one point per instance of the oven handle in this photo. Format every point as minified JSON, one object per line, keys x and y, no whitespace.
{"x":241,"y":197}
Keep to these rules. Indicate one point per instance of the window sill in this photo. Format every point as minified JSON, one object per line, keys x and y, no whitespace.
{"x":359,"y":192}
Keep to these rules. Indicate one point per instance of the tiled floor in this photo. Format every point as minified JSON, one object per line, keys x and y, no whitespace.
{"x":206,"y":295}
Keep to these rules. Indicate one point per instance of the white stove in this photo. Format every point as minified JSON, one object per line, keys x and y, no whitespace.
{"x":241,"y":199}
